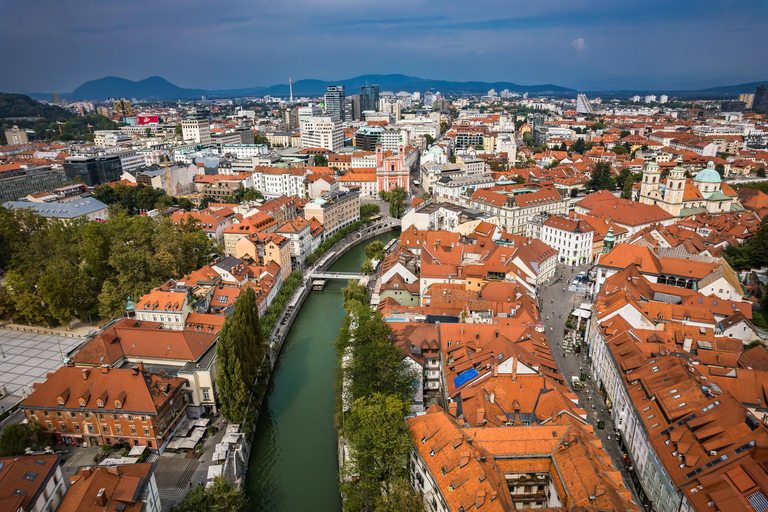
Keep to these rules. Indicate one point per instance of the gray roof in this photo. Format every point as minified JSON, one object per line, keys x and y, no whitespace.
{"x":60,"y":210}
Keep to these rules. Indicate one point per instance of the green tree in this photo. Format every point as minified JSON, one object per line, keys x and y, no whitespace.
{"x":443,"y":127}
{"x":375,"y":250}
{"x":430,"y":139}
{"x":562,"y":147}
{"x":761,"y":172}
{"x":623,"y":176}
{"x":579,"y":146}
{"x":240,"y":352}
{"x":178,"y":130}
{"x":601,"y":177}
{"x":321,"y":160}
{"x":366,"y":267}
{"x":354,"y":295}
{"x":528,"y":139}
{"x":397,"y":202}
{"x":219,"y":497}
{"x":626,"y":192}
{"x":379,"y":439}
{"x":720,"y":168}
{"x":369,"y":210}
{"x":16,"y":438}
{"x":624,"y":133}
{"x":148,"y":133}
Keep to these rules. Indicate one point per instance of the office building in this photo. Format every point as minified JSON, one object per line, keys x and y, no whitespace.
{"x":196,"y":128}
{"x":369,"y":98}
{"x":334,"y":102}
{"x":307,"y":112}
{"x":336,"y":209}
{"x":93,"y":170}
{"x":582,"y":104}
{"x":748,"y":99}
{"x":16,"y":136}
{"x":760,"y":102}
{"x":123,"y":108}
{"x":322,"y":132}
{"x":352,"y":110}
{"x":367,"y":137}
{"x":24,"y":180}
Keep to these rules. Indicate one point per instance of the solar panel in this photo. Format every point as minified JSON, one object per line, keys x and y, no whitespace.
{"x":757,"y":500}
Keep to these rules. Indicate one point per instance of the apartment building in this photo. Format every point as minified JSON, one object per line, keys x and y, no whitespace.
{"x":20,"y":180}
{"x":299,"y":234}
{"x":196,"y":129}
{"x":335,"y":210}
{"x":91,"y":407}
{"x":31,"y":483}
{"x":261,"y":248}
{"x":573,"y":239}
{"x":188,"y":354}
{"x":122,"y":487}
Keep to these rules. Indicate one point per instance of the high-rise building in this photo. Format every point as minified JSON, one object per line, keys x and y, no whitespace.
{"x":582,"y":104}
{"x":352,"y":110}
{"x":334,"y":102}
{"x":123,"y":108}
{"x":16,"y":136}
{"x":196,"y":128}
{"x":93,"y":170}
{"x":104,"y":111}
{"x":663,"y":98}
{"x":55,"y":97}
{"x":369,"y":98}
{"x":748,"y":99}
{"x":760,"y":103}
{"x":308,"y":112}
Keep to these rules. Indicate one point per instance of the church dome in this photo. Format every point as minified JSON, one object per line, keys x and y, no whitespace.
{"x":708,"y":174}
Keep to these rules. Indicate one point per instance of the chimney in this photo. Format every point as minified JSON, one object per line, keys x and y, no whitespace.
{"x":514,"y":368}
{"x":134,"y":370}
{"x":105,"y":368}
{"x":85,"y":373}
{"x":141,"y":367}
{"x":101,"y":497}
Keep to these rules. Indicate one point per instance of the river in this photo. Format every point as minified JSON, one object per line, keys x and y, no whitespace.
{"x":294,"y":462}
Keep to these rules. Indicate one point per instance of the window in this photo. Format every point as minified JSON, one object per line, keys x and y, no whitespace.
{"x":146,"y":431}
{"x":119,"y":429}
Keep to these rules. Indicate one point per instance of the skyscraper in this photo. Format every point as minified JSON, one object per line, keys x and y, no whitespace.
{"x":369,"y":98}
{"x":760,"y":103}
{"x":334,"y":102}
{"x":582,"y":104}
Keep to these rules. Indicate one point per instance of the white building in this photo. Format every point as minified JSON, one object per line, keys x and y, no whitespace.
{"x":571,"y":238}
{"x":196,"y":130}
{"x":243,"y":151}
{"x":305,"y":113}
{"x":109,"y":138}
{"x":322,"y":132}
{"x":276,"y":182}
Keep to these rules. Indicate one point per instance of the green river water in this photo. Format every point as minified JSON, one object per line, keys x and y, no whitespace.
{"x":294,"y":462}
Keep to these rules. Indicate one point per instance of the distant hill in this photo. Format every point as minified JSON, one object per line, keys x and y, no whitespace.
{"x":21,"y":105}
{"x":748,"y":88}
{"x":158,"y":88}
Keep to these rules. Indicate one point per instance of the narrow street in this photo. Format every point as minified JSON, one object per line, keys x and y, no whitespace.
{"x":556,"y":303}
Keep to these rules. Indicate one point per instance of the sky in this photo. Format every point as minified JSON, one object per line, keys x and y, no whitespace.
{"x":56,"y":45}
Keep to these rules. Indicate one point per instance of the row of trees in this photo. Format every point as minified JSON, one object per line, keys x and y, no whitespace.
{"x":334,"y":239}
{"x":140,"y":197}
{"x":56,"y":271}
{"x":751,"y":254}
{"x":378,"y":383}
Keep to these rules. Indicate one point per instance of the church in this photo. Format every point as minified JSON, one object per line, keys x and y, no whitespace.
{"x":682,"y":197}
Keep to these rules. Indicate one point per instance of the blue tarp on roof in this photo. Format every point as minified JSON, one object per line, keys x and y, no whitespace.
{"x":465,"y":377}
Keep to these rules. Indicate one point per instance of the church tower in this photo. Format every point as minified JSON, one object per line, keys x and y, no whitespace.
{"x":673,"y":196}
{"x":650,"y":183}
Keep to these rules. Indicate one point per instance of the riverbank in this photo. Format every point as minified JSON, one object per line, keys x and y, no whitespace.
{"x":295,"y":438}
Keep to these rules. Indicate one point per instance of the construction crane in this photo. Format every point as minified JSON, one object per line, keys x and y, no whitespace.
{"x":90,"y":128}
{"x":168,"y":177}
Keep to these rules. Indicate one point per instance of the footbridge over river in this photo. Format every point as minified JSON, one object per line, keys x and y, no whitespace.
{"x":335,"y":275}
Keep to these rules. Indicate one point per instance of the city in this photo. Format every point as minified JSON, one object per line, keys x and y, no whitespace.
{"x":384,"y":292}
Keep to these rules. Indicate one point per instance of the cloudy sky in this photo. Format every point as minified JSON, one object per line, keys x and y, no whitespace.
{"x":55,"y":45}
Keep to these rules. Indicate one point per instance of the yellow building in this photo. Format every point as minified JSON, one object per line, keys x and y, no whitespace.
{"x":123,"y":108}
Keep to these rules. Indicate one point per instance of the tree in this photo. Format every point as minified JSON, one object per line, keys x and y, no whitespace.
{"x":430,"y":139}
{"x":219,"y":497}
{"x":443,"y":127}
{"x":619,"y":149}
{"x":366,"y":267}
{"x":16,"y":438}
{"x":602,"y":178}
{"x":379,"y":439}
{"x":562,"y":147}
{"x":375,"y":250}
{"x":148,"y":133}
{"x":321,"y":160}
{"x":178,"y":130}
{"x":626,"y":192}
{"x":528,"y":139}
{"x":624,"y":133}
{"x":579,"y":146}
{"x":240,"y":351}
{"x":623,"y":176}
{"x":761,"y":172}
{"x":369,"y":210}
{"x":396,"y":202}
{"x":518,"y":179}
{"x":452,"y":159}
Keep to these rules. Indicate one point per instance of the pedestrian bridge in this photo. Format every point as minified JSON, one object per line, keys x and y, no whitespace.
{"x":335,"y":275}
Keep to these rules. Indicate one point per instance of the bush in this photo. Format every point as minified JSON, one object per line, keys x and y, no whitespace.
{"x":106,"y":448}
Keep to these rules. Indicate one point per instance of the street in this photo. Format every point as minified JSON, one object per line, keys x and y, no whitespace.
{"x":556,"y":304}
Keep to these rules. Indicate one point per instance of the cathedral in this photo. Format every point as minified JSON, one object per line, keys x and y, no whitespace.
{"x":681,"y":196}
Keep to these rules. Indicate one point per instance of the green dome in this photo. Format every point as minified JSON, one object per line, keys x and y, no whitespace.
{"x":708,"y":174}
{"x":130,"y":305}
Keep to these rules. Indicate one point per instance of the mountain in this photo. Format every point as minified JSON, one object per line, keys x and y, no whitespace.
{"x":748,"y":88}
{"x":158,"y":88}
